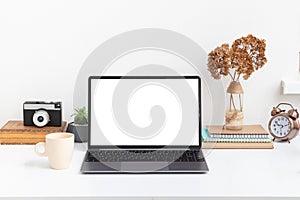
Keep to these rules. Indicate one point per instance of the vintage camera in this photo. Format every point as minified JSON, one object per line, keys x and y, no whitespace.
{"x":40,"y":114}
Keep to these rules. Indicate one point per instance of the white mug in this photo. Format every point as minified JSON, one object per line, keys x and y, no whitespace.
{"x":58,"y":148}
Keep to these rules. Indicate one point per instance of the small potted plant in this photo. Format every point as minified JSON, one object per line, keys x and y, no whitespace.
{"x":80,"y":125}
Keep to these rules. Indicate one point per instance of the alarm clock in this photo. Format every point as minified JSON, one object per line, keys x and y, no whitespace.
{"x":284,"y":126}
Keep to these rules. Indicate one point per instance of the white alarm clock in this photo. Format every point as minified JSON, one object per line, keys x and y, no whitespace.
{"x":284,"y":126}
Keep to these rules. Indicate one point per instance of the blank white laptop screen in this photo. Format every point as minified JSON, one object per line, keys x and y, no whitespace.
{"x":119,"y":119}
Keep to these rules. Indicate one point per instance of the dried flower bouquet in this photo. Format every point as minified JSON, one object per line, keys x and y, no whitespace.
{"x":245,"y":55}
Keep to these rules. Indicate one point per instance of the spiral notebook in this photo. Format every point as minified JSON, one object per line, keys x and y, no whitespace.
{"x":250,"y":137}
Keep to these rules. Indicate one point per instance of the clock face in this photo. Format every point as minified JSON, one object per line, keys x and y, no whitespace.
{"x":280,"y":126}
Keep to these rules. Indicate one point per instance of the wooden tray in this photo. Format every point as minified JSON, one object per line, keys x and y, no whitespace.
{"x":14,"y":132}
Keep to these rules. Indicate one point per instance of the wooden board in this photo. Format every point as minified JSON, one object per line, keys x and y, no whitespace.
{"x":17,"y":126}
{"x":247,"y":129}
{"x":21,"y":141}
{"x":265,"y":145}
{"x":14,"y":132}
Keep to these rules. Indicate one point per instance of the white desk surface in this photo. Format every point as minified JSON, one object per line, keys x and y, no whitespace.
{"x":233,"y":173}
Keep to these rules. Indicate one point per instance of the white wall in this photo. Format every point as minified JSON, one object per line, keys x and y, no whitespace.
{"x":44,"y":43}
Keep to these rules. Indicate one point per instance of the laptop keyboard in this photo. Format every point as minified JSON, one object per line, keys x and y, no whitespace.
{"x":145,"y":155}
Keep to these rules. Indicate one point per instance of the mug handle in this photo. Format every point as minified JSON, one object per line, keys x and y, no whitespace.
{"x":43,"y":154}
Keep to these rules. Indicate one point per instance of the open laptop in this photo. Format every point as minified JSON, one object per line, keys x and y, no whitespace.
{"x":144,"y":124}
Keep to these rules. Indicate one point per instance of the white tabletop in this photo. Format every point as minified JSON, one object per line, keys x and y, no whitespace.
{"x":242,"y":173}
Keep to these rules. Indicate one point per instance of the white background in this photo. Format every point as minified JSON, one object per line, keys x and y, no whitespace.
{"x":44,"y":43}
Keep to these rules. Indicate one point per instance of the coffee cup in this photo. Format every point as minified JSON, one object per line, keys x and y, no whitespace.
{"x":58,"y":148}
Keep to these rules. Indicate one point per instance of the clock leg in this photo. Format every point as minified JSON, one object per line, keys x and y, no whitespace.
{"x":273,"y":139}
{"x":288,"y":141}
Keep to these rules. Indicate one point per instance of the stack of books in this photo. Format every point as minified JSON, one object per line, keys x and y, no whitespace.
{"x":14,"y":132}
{"x":250,"y":137}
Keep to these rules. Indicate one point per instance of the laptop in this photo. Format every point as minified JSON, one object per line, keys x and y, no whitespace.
{"x":144,"y":124}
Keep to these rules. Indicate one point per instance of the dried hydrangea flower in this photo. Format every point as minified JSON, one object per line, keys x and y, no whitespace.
{"x":219,"y":61}
{"x":248,"y":55}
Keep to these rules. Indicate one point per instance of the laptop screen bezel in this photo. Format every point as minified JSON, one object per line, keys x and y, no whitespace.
{"x":143,"y":146}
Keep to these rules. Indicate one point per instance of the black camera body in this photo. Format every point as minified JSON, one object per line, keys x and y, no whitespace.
{"x":40,"y":113}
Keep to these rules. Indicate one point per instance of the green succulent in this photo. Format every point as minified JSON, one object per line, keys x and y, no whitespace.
{"x":80,"y":116}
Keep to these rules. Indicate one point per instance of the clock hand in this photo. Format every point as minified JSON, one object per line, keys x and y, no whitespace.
{"x":278,"y":123}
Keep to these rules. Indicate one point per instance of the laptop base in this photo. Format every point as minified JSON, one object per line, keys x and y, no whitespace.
{"x":137,"y":167}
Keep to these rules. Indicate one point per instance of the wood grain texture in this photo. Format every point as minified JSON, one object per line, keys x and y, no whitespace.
{"x":21,"y":141}
{"x":265,"y":145}
{"x":247,"y":129}
{"x":17,"y":126}
{"x":14,"y":132}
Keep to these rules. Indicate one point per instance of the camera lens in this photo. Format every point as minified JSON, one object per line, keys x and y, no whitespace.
{"x":40,"y":118}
